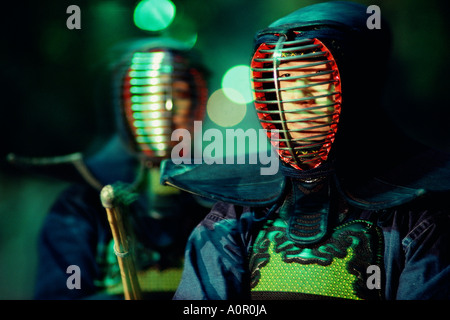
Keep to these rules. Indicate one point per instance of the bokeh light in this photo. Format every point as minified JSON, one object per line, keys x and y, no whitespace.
{"x":154,"y":15}
{"x":236,"y":84}
{"x":224,"y":112}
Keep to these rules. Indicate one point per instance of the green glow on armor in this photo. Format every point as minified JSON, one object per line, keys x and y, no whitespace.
{"x":150,"y":280}
{"x":146,"y":107}
{"x":151,"y":123}
{"x":150,"y":115}
{"x":333,"y":280}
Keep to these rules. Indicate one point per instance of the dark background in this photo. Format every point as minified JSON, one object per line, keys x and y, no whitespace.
{"x":53,"y":89}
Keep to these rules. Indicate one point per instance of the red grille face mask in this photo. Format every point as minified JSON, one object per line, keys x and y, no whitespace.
{"x":161,"y":92}
{"x":297,"y":91}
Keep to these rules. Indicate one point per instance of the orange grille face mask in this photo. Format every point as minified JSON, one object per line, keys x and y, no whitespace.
{"x":297,"y":91}
{"x":161,"y":92}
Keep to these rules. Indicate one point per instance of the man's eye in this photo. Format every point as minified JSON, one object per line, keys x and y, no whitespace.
{"x":285,"y":75}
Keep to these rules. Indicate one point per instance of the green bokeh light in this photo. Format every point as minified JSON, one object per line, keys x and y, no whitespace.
{"x":236,"y":84}
{"x":154,"y":15}
{"x":223,"y":111}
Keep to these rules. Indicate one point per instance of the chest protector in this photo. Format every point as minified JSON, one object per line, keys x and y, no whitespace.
{"x":295,"y":256}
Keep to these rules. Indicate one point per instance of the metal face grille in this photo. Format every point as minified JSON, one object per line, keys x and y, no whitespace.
{"x":297,"y":91}
{"x":161,"y":93}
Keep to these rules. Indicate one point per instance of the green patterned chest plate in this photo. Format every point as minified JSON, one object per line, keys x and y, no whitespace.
{"x":335,"y":268}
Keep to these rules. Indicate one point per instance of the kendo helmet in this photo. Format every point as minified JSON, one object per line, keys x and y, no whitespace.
{"x":160,"y":87}
{"x":297,"y":90}
{"x":312,"y":70}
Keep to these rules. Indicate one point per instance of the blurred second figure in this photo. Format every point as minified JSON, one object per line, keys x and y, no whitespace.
{"x":158,"y":86}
